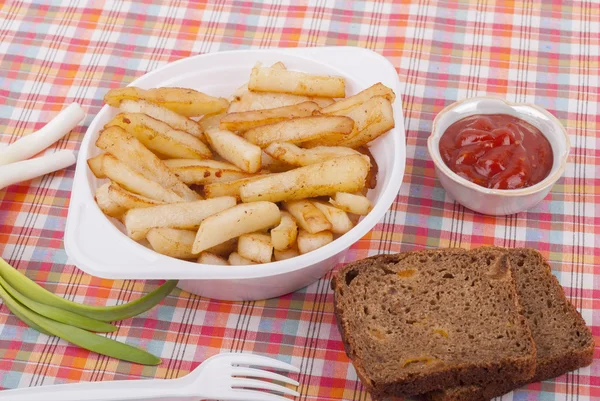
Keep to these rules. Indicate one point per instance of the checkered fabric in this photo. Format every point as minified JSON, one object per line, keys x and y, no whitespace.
{"x":525,"y":51}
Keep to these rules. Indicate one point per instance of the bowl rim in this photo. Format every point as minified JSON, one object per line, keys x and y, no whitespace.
{"x":433,"y":141}
{"x":214,"y":272}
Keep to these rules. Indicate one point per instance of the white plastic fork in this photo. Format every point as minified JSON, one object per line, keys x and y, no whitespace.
{"x":226,"y":376}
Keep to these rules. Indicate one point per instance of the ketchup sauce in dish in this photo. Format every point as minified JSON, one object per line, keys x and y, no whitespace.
{"x":497,"y":151}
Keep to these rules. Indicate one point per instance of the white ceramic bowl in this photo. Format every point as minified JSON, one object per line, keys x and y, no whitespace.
{"x":99,"y":246}
{"x":498,"y":201}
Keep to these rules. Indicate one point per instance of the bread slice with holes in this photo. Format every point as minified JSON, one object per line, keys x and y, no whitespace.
{"x":563,"y":341}
{"x":426,"y":320}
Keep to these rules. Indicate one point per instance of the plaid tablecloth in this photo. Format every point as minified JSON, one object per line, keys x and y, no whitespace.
{"x":524,"y":51}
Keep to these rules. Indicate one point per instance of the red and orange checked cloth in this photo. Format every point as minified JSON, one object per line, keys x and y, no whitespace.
{"x":525,"y":51}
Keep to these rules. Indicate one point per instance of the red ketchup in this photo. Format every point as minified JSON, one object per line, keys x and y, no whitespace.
{"x":497,"y":151}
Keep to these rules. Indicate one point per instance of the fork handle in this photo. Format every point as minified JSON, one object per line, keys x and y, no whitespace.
{"x":120,"y":390}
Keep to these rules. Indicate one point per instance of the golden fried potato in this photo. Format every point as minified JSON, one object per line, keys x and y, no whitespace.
{"x":342,"y":174}
{"x":95,"y":165}
{"x":129,"y":200}
{"x":187,"y":102}
{"x":133,"y":153}
{"x":210,"y":121}
{"x":229,"y":188}
{"x":245,"y":100}
{"x":256,"y":247}
{"x":243,"y":121}
{"x":340,"y":222}
{"x":235,"y":149}
{"x":307,"y":216}
{"x":172,"y":242}
{"x":284,"y":235}
{"x":273,"y":165}
{"x":286,"y":254}
{"x":207,"y":258}
{"x":308,"y":242}
{"x":185,"y":215}
{"x":160,"y":137}
{"x":108,"y":206}
{"x":231,"y":223}
{"x":202,"y":172}
{"x":372,"y":118}
{"x":343,"y":105}
{"x":269,"y":79}
{"x":117,"y":171}
{"x":293,"y":155}
{"x":160,"y":113}
{"x":302,"y":129}
{"x":235,"y":259}
{"x":352,"y":203}
{"x":224,"y":248}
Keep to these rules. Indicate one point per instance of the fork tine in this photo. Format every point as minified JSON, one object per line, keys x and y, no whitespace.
{"x":263,"y":374}
{"x":252,"y":395}
{"x":263,"y":361}
{"x":263,"y":385}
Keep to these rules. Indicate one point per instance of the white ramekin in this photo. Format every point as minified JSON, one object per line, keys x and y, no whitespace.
{"x":498,"y":201}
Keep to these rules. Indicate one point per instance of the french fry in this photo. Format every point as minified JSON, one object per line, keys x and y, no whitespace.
{"x":293,"y":155}
{"x":308,"y":217}
{"x":279,"y":65}
{"x":351,"y":203}
{"x":273,"y":165}
{"x":172,"y":242}
{"x":207,"y":258}
{"x":243,"y":121}
{"x":340,"y":222}
{"x":108,"y":206}
{"x":235,"y":259}
{"x":308,"y":242}
{"x":95,"y":165}
{"x":373,"y":171}
{"x":204,"y":171}
{"x":235,"y":149}
{"x":342,"y":174}
{"x":286,"y":254}
{"x":211,"y":121}
{"x":284,"y":235}
{"x":269,"y":79}
{"x":185,"y":216}
{"x":160,"y":137}
{"x":133,"y":153}
{"x":229,"y":188}
{"x":302,"y":129}
{"x":225,"y":248}
{"x":187,"y":102}
{"x":371,"y":119}
{"x":158,"y":112}
{"x":351,"y":101}
{"x":235,"y":221}
{"x":256,"y":247}
{"x":133,"y":181}
{"x":245,"y":100}
{"x":129,"y":200}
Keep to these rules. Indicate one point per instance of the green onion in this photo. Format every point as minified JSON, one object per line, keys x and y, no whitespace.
{"x":80,"y":337}
{"x":60,"y":315}
{"x":103,"y":313}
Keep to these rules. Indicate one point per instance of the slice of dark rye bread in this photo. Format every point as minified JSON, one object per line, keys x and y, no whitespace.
{"x":563,"y":341}
{"x":427,"y":320}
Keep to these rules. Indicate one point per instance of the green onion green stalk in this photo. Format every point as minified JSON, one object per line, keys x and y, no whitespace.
{"x":50,"y":314}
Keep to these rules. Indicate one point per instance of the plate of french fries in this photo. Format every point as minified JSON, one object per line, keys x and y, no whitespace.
{"x":246,"y":174}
